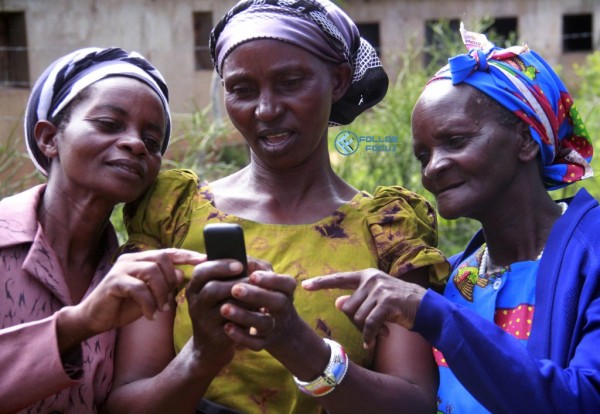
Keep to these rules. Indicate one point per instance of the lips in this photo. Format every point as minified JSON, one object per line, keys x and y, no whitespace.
{"x":275,"y":138}
{"x":129,"y":167}
{"x":446,"y":188}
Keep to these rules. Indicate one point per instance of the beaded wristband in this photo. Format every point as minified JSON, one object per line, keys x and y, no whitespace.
{"x":332,"y":376}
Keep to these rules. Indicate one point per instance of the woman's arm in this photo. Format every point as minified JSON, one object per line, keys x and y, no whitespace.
{"x":488,"y":361}
{"x":403,"y":379}
{"x":149,"y":377}
{"x":44,"y":357}
{"x":31,"y":362}
{"x":492,"y":364}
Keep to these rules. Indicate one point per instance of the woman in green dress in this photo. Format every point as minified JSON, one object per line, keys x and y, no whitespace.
{"x":289,"y":70}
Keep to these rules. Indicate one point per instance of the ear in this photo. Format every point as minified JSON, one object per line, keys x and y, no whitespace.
{"x":342,"y":76}
{"x":528,"y":148}
{"x":45,"y":133}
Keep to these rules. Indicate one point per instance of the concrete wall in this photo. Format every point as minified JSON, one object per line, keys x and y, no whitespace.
{"x":162,"y":30}
{"x":539,"y":21}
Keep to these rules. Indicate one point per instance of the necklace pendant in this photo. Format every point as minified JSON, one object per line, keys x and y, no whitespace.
{"x":497,"y":283}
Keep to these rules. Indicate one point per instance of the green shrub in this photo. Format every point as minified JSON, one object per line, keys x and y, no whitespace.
{"x":15,"y":172}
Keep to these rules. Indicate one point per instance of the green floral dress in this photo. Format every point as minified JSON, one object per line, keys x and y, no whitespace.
{"x":393,"y":230}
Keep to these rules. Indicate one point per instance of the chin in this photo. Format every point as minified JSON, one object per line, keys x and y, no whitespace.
{"x":449,"y":215}
{"x":449,"y":211}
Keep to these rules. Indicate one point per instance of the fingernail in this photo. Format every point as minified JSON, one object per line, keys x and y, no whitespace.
{"x":306,"y":283}
{"x":238,"y":291}
{"x":226,"y":310}
{"x":236,"y":267}
{"x":166,"y":307}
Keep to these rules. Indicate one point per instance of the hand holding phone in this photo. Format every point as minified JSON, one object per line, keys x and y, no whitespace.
{"x":226,"y":241}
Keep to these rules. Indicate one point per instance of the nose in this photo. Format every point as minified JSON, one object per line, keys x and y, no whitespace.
{"x":131,"y":141}
{"x":268,"y":107}
{"x":437,"y":164}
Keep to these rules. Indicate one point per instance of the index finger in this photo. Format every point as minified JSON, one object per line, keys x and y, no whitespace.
{"x":176,"y":256}
{"x":184,"y":256}
{"x":344,"y":280}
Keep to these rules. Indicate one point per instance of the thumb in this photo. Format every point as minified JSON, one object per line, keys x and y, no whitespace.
{"x":339,"y":302}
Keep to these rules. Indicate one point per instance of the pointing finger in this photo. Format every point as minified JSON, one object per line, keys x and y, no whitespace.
{"x":346,"y":280}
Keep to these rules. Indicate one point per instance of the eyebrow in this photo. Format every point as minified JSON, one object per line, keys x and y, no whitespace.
{"x":277,"y":70}
{"x":110,"y":107}
{"x":121,"y":111}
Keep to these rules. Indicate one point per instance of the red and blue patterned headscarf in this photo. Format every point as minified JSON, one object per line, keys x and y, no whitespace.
{"x":522,"y":82}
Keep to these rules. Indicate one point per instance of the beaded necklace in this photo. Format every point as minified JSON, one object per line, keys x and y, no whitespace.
{"x":485,"y":257}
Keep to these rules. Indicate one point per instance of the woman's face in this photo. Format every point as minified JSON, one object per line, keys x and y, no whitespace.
{"x":110,"y":146}
{"x":469,"y":159}
{"x":279,"y":97}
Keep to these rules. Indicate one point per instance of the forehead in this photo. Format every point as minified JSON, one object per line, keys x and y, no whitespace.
{"x":459,"y":100}
{"x":124,"y":84}
{"x":123,"y":91}
{"x":268,"y":53}
{"x":443,"y":92}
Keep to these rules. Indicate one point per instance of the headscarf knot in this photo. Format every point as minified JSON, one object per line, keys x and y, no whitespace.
{"x":462,"y":66}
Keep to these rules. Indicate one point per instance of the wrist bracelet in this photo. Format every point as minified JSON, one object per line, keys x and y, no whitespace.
{"x":332,"y":376}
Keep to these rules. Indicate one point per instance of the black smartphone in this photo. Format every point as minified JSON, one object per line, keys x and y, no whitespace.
{"x":226,"y":241}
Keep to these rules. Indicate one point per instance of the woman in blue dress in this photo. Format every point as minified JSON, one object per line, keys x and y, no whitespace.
{"x":517,"y":327}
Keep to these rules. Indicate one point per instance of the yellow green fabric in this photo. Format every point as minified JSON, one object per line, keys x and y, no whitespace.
{"x":393,"y":230}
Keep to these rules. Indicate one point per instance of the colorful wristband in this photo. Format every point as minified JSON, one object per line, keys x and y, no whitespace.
{"x":332,"y":376}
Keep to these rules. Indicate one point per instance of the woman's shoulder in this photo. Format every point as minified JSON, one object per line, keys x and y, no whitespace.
{"x":18,"y":214}
{"x":164,"y":208}
{"x":170,"y":184}
{"x":176,"y":178}
{"x":403,"y":225}
{"x":395,"y":199}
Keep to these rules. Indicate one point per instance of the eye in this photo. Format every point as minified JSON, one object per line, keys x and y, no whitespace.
{"x":423,"y":158}
{"x":152,"y":143}
{"x":241,"y":90}
{"x":107,"y":124}
{"x":291,"y":82}
{"x":457,"y":141}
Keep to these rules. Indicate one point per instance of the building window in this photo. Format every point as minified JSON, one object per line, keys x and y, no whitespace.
{"x":503,"y":30}
{"x":14,"y":63}
{"x":442,"y":35}
{"x":439,"y":34}
{"x":577,"y":32}
{"x":202,"y":28}
{"x":370,"y":32}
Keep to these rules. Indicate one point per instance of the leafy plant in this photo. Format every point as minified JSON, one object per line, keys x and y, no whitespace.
{"x":13,"y":165}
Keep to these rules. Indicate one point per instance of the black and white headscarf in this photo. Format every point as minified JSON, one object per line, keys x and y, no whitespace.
{"x":66,"y":77}
{"x":318,"y":26}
